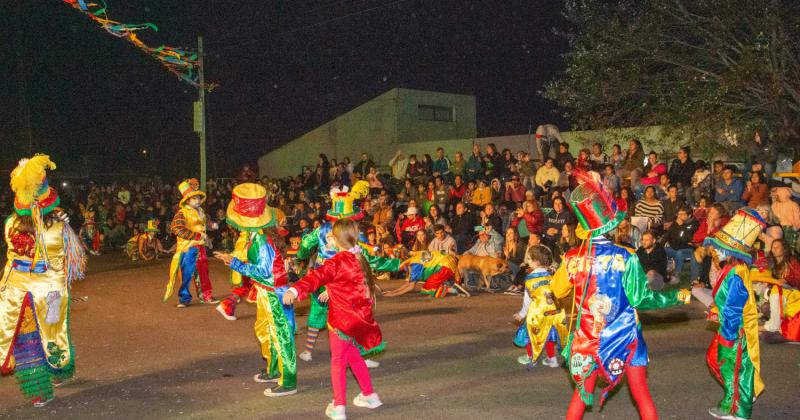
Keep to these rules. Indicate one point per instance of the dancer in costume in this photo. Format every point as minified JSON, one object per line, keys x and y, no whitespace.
{"x":190,"y":263}
{"x":733,"y":356}
{"x":145,"y":246}
{"x":352,"y":328}
{"x":437,"y":270}
{"x":321,"y":239}
{"x":249,"y":214}
{"x":44,"y":257}
{"x":544,"y":324}
{"x":609,"y":286}
{"x":90,"y":234}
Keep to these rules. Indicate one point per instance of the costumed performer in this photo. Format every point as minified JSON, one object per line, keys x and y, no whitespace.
{"x":190,"y":263}
{"x":44,"y":256}
{"x":249,"y":214}
{"x":609,"y":285}
{"x":342,"y":207}
{"x":90,"y":234}
{"x":544,"y":324}
{"x":733,"y":356}
{"x":351,"y":326}
{"x":145,"y":246}
{"x":437,"y":270}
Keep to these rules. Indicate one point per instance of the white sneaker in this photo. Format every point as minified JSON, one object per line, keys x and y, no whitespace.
{"x":222,"y":312}
{"x":305,"y":356}
{"x":370,"y":401}
{"x":335,"y":412}
{"x":550,"y":362}
{"x":372,"y":364}
{"x":524,"y":360}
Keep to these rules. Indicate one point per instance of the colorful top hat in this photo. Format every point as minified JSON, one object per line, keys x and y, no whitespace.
{"x":737,"y":237}
{"x":248,"y":210}
{"x":190,"y":188}
{"x":343,"y":202}
{"x":594,"y":207}
{"x":152,"y":226}
{"x":30,"y":186}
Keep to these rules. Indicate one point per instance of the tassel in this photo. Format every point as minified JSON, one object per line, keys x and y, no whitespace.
{"x":74,"y":256}
{"x":40,"y":250}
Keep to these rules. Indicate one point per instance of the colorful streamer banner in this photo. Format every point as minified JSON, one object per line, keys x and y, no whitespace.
{"x":181,"y":62}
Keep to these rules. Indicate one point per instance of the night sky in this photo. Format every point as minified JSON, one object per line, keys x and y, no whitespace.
{"x":283,"y":68}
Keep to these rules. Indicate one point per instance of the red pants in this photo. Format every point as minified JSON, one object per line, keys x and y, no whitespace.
{"x":344,"y":354}
{"x":438,"y":278}
{"x":237,"y":295}
{"x":637,"y":385}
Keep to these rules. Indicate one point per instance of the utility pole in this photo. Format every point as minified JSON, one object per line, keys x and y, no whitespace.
{"x":201,"y":124}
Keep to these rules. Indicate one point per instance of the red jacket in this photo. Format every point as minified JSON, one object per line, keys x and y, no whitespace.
{"x":349,"y":308}
{"x":407,"y":225}
{"x":457,"y":193}
{"x":534,"y":221}
{"x":516,"y":194}
{"x":700,"y":235}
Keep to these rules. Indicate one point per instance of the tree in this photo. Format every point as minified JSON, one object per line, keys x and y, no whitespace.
{"x":714,"y":70}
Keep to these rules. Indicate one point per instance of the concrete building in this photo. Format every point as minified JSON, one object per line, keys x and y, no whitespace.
{"x":397,"y":119}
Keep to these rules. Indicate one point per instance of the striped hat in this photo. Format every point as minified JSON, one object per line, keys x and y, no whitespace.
{"x":737,"y":237}
{"x":190,"y":188}
{"x":594,"y":207}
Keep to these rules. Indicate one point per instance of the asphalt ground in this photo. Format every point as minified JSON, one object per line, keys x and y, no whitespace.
{"x":138,"y":358}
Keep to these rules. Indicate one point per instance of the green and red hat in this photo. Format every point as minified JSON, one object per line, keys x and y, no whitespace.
{"x":596,"y":210}
{"x":343,"y":203}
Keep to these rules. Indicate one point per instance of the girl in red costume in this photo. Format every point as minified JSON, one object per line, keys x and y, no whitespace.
{"x":351,"y":325}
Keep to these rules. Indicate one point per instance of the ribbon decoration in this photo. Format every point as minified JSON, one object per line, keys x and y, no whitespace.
{"x":179,"y":61}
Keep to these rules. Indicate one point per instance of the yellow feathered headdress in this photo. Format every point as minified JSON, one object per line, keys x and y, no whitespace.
{"x":30,"y":186}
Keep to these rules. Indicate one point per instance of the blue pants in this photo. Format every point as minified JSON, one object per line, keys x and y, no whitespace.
{"x":680,"y":255}
{"x":188,"y":271}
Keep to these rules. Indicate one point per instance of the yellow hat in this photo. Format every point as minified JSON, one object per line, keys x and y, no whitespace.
{"x":151,"y":226}
{"x":190,"y":188}
{"x":30,"y":186}
{"x":248,"y":210}
{"x":737,"y":237}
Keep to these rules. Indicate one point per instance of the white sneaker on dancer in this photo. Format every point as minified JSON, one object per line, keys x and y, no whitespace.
{"x":335,"y":412}
{"x":372,"y":364}
{"x":524,"y":360}
{"x":224,"y":314}
{"x":551,"y":362}
{"x":370,"y":401}
{"x":305,"y":356}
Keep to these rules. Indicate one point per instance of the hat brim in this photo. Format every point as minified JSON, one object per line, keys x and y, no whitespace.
{"x":201,"y":194}
{"x":356,"y":215}
{"x":728,"y":251}
{"x":241,"y":222}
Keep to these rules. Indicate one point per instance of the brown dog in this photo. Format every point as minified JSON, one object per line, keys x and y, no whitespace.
{"x":487,"y":266}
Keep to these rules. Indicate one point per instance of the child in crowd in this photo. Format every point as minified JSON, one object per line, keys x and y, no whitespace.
{"x":351,"y":297}
{"x":543,"y":322}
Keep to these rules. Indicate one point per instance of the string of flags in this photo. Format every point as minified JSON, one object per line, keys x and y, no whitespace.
{"x":180,"y":61}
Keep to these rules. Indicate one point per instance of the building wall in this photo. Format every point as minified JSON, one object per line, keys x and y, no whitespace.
{"x":413,"y":129}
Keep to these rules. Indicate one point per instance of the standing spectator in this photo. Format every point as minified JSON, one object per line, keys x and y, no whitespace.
{"x":533,"y":219}
{"x":761,"y":151}
{"x":729,"y":190}
{"x":462,"y":226}
{"x":654,"y":261}
{"x":442,"y":241}
{"x":682,"y":169}
{"x":756,"y":192}
{"x":515,"y":191}
{"x":399,"y":164}
{"x":475,"y":166}
{"x":362,"y":168}
{"x":598,"y":159}
{"x":563,"y":155}
{"x":679,"y":239}
{"x":546,"y":178}
{"x":651,"y":208}
{"x":458,"y":167}
{"x":611,"y":181}
{"x":323,"y":171}
{"x":671,"y":205}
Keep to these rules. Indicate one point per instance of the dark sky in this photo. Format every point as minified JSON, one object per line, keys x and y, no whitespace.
{"x":284,"y":67}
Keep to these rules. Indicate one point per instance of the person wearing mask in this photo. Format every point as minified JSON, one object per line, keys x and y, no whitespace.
{"x":678,"y":239}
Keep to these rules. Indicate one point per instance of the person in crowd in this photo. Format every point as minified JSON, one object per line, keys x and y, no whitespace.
{"x":566,"y":180}
{"x":681,"y":170}
{"x":436,"y":217}
{"x":729,"y":190}
{"x":442,"y":241}
{"x":566,"y":241}
{"x":383,"y":212}
{"x":489,"y":216}
{"x":546,"y":178}
{"x":482,"y":195}
{"x":563,"y":156}
{"x":654,"y":261}
{"x":399,"y":165}
{"x":427,"y":165}
{"x":362,"y":167}
{"x":555,"y":220}
{"x":441,"y":194}
{"x":441,"y":165}
{"x":146,"y":246}
{"x":462,"y":227}
{"x":515,"y":191}
{"x":598,"y":158}
{"x":514,"y":254}
{"x":457,"y":191}
{"x":582,"y":162}
{"x":633,"y":164}
{"x":527,"y":171}
{"x":533,"y":219}
{"x":716,"y":218}
{"x":458,"y":167}
{"x":611,"y":181}
{"x":671,"y":205}
{"x":700,"y":183}
{"x":651,"y":208}
{"x":421,"y":241}
{"x":756,"y":192}
{"x":787,"y":213}
{"x":375,"y":184}
{"x":653,"y":170}
{"x":489,"y":244}
{"x":617,"y":157}
{"x":678,"y":239}
{"x":498,"y":191}
{"x":407,"y":227}
{"x":475,"y":167}
{"x":762,"y":151}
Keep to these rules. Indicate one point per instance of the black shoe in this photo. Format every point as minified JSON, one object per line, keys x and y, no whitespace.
{"x":279,"y":391}
{"x":263,"y":377}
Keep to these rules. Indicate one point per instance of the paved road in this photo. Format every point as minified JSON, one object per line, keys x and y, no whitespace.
{"x":138,"y":358}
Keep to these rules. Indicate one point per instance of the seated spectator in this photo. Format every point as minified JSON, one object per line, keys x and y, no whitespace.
{"x":678,"y":239}
{"x":785,"y":268}
{"x":729,"y":190}
{"x":651,"y":208}
{"x":407,"y":227}
{"x":582,"y":162}
{"x":498,"y":191}
{"x":654,"y":261}
{"x":563,"y":156}
{"x":671,"y":205}
{"x":566,"y":181}
{"x":598,"y":159}
{"x":375,"y":184}
{"x":555,"y":220}
{"x":633,"y":164}
{"x":475,"y":166}
{"x":490,"y":217}
{"x":533,"y":219}
{"x":527,"y":171}
{"x":441,"y":193}
{"x":756,"y":192}
{"x":462,"y":227}
{"x":458,"y":167}
{"x":546,"y":178}
{"x":653,"y":170}
{"x":567,"y":241}
{"x":628,"y":235}
{"x":717,"y":218}
{"x":787,"y":213}
{"x":515,"y":191}
{"x":514,"y":253}
{"x":489,"y":244}
{"x":399,"y":165}
{"x":441,"y":166}
{"x":481,"y":196}
{"x":611,"y":181}
{"x":415,"y":171}
{"x":442,"y":241}
{"x":436,"y":216}
{"x":682,"y":169}
{"x":617,"y":158}
{"x":701,"y":183}
{"x":383,"y":211}
{"x":421,"y":241}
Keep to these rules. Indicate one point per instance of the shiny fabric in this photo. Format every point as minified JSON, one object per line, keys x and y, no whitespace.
{"x":733,"y":356}
{"x":608,"y":288}
{"x":790,"y":314}
{"x":350,"y":308}
{"x":545,"y":321}
{"x":196,"y":222}
{"x":49,"y":295}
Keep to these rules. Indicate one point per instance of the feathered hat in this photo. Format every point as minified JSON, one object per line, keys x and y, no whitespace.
{"x":190,"y":188}
{"x":30,"y":186}
{"x":737,"y":237}
{"x":343,"y":202}
{"x":594,"y":207}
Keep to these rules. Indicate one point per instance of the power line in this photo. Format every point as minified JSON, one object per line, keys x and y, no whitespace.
{"x":313,"y":25}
